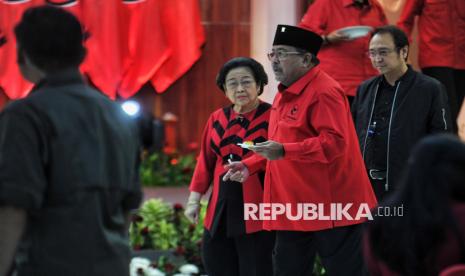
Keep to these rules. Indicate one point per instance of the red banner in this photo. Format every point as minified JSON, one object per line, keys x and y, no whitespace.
{"x":181,"y":20}
{"x":130,"y":42}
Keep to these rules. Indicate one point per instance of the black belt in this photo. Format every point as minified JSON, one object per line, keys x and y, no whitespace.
{"x":376,"y":174}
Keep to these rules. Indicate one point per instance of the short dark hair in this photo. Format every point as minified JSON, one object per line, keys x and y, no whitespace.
{"x":398,"y":36}
{"x":259,"y":74}
{"x":51,"y":37}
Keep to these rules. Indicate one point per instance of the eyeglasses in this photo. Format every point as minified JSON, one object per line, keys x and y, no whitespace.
{"x":281,"y":55}
{"x":381,"y":52}
{"x":233,"y":85}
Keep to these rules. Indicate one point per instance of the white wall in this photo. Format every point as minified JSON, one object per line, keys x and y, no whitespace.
{"x":266,"y":15}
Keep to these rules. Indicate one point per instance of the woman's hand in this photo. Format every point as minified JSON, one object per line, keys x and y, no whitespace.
{"x":237,"y":171}
{"x":193,"y":207}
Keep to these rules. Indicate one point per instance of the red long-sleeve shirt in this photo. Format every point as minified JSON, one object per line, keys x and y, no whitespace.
{"x":441,"y":31}
{"x":346,"y":61}
{"x":322,"y":162}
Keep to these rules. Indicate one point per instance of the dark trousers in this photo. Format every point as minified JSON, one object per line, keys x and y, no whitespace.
{"x":454,"y":81}
{"x":379,"y":187}
{"x":242,"y":255}
{"x":340,"y":250}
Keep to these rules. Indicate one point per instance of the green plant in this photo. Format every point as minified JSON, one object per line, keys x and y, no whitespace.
{"x":152,"y":227}
{"x":161,"y":169}
{"x":190,"y":235}
{"x":160,"y":226}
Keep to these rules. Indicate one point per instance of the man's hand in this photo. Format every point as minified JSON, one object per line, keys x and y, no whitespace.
{"x":193,"y":207}
{"x":461,"y":122}
{"x":12,"y":225}
{"x":271,"y":150}
{"x":237,"y":171}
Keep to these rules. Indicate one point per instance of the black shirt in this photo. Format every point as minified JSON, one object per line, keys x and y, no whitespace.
{"x":68,"y":157}
{"x":377,"y":142}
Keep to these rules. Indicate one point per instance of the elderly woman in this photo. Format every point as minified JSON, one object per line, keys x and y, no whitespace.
{"x":231,"y":245}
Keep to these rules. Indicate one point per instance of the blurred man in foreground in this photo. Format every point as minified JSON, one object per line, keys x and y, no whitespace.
{"x":67,"y":161}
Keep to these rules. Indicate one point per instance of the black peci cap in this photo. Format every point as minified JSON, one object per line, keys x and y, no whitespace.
{"x":298,"y":37}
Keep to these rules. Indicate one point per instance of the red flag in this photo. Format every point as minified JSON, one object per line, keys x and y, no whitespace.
{"x":103,"y":62}
{"x":145,"y":43}
{"x":11,"y":80}
{"x":182,"y":24}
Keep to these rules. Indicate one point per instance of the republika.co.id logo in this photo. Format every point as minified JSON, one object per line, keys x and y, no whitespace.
{"x":313,"y":211}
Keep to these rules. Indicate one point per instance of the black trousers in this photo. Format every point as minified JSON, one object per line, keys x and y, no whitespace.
{"x":454,"y":81}
{"x":380,"y":189}
{"x":340,"y":250}
{"x":242,"y":255}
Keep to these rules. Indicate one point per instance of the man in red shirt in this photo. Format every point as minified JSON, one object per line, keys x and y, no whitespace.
{"x":343,"y":57}
{"x":441,"y":31}
{"x":312,"y":159}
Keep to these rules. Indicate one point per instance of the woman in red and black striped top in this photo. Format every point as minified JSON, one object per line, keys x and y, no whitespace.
{"x":232,"y":246}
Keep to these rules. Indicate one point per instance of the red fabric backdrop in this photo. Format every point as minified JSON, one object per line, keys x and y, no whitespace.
{"x":130,"y":42}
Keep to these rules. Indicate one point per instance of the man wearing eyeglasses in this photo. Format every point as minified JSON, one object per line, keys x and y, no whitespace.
{"x":311,"y":157}
{"x":395,"y":109}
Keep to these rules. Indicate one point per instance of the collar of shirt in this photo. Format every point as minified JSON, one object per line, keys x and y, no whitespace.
{"x":298,"y":86}
{"x":406,"y":76}
{"x":67,"y":76}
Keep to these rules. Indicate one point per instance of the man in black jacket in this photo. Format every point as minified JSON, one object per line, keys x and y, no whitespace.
{"x":394,"y":110}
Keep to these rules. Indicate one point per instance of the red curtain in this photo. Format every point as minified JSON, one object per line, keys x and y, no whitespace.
{"x":147,"y":48}
{"x":130,"y":42}
{"x":11,"y":81}
{"x":103,"y":63}
{"x":181,"y":20}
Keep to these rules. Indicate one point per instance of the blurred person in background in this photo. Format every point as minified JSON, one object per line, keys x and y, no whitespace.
{"x":231,"y":245}
{"x":430,"y":234}
{"x":461,"y":122}
{"x":344,"y":57}
{"x":68,"y":158}
{"x":441,"y":34}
